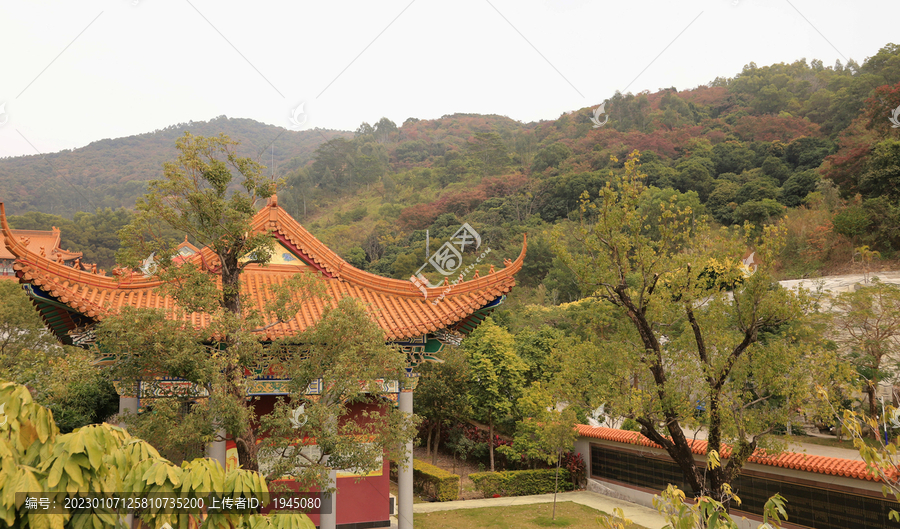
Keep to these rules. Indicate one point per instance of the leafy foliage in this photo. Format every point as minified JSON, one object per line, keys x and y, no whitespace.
{"x":725,"y":348}
{"x":348,"y":422}
{"x":495,"y":374}
{"x":520,"y":482}
{"x":440,"y":398}
{"x":433,"y":481}
{"x":869,"y":327}
{"x":36,"y":458}
{"x":60,"y":378}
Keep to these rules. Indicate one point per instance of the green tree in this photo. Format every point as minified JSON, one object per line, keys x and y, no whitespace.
{"x":774,"y":168}
{"x":490,"y":150}
{"x":495,"y":375}
{"x":732,"y":157}
{"x":210,"y":194}
{"x":536,"y":347}
{"x":798,"y":185}
{"x":682,"y":336}
{"x":61,"y":378}
{"x":21,"y":330}
{"x":655,"y":202}
{"x":370,"y":163}
{"x":197,"y":196}
{"x":441,"y":396}
{"x":75,"y":390}
{"x":384,"y":129}
{"x":364,"y":130}
{"x":722,"y":201}
{"x":550,"y":156}
{"x":298,"y":193}
{"x":868,"y":325}
{"x":807,"y":152}
{"x":310,"y":435}
{"x":882,"y":174}
{"x":546,"y":432}
{"x":695,"y":174}
{"x":332,"y":168}
{"x":36,"y":458}
{"x":759,"y":212}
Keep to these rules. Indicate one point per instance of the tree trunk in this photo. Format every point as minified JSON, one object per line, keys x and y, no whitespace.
{"x":870,"y":390}
{"x":231,"y":285}
{"x":247,"y":450}
{"x":437,"y":442}
{"x":428,"y":440}
{"x":491,"y":440}
{"x":245,"y":442}
{"x":678,"y":449}
{"x":714,"y":442}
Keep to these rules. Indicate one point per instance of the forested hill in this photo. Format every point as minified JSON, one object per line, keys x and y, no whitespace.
{"x":803,"y":143}
{"x":113,"y":172}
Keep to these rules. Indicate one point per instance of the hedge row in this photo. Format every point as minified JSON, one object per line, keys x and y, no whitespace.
{"x":521,"y":482}
{"x":433,"y":481}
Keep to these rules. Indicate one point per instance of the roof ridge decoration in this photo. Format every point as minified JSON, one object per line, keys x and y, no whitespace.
{"x":46,"y":264}
{"x":308,"y":245}
{"x":396,"y":305}
{"x":834,"y":466}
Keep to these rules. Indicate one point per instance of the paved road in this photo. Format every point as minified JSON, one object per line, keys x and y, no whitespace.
{"x":804,"y":448}
{"x":842,"y":283}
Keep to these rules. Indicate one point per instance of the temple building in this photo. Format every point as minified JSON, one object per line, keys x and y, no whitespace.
{"x":419,"y":318}
{"x":44,"y":243}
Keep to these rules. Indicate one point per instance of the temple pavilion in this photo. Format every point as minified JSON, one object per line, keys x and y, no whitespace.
{"x":419,"y":319}
{"x":41,"y":242}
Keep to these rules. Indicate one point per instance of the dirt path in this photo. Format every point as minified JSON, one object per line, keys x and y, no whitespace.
{"x":463,"y":468}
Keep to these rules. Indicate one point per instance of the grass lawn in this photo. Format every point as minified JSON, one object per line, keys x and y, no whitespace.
{"x":568,"y":514}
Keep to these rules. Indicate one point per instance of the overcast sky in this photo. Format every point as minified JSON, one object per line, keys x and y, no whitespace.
{"x":76,"y":72}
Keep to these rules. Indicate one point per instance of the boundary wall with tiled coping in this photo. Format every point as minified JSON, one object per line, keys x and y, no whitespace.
{"x":823,"y":492}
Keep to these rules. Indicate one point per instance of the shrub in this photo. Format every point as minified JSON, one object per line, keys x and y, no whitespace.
{"x":521,"y":482}
{"x":433,"y":481}
{"x":574,"y":463}
{"x":354,"y":215}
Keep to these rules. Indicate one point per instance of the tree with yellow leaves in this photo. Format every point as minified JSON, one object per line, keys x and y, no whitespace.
{"x":104,"y":460}
{"x":690,"y":339}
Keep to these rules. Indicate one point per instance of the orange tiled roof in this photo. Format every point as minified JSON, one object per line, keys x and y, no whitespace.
{"x":37,"y":239}
{"x":833,"y":466}
{"x":397,"y":305}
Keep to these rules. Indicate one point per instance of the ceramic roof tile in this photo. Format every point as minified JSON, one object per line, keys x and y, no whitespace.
{"x":397,"y":305}
{"x":797,"y":461}
{"x":37,"y":239}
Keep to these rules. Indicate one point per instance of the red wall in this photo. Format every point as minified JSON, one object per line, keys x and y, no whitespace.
{"x":364,"y":500}
{"x":367,"y":500}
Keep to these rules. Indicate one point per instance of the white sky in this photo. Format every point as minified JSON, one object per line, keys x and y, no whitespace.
{"x":73,"y":72}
